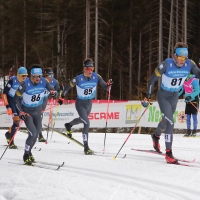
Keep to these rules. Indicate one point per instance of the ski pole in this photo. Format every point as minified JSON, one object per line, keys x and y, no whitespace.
{"x":132,"y":130}
{"x":49,"y":108}
{"x":50,"y":117}
{"x":54,"y":121}
{"x":106,"y":119}
{"x":194,"y":106}
{"x":20,"y":124}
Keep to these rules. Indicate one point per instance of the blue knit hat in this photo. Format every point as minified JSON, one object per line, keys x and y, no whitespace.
{"x":22,"y":71}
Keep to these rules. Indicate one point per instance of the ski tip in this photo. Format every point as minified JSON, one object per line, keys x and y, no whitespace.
{"x":124,"y":156}
{"x":39,"y":149}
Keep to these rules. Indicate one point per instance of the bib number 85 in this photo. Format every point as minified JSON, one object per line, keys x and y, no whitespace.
{"x":35,"y":98}
{"x":87,"y":91}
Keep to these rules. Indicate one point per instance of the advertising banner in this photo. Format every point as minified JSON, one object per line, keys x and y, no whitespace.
{"x":121,"y":114}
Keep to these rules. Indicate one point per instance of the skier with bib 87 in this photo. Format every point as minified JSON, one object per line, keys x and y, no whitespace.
{"x":173,"y":72}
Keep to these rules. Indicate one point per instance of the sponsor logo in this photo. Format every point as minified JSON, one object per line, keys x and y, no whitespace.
{"x":133,"y":113}
{"x":102,"y":115}
{"x":182,"y":117}
{"x":9,"y":86}
{"x":161,"y":66}
{"x":155,"y":115}
{"x":60,"y":114}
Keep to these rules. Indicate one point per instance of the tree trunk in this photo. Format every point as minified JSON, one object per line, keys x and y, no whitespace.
{"x":96,"y":42}
{"x":139,"y":61}
{"x":87,"y":34}
{"x":160,"y":45}
{"x":185,"y":21}
{"x":24,"y":33}
{"x":130,"y":51}
{"x":170,"y":29}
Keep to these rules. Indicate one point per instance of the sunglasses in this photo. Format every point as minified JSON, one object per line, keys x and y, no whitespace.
{"x":89,"y":69}
{"x":182,"y":58}
{"x":23,"y":76}
{"x":50,"y":76}
{"x":37,"y":76}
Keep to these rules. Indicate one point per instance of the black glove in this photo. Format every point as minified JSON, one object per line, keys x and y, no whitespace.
{"x":60,"y":101}
{"x":110,"y":82}
{"x":188,"y":99}
{"x":53,"y":94}
{"x":23,"y":115}
{"x":146,"y":102}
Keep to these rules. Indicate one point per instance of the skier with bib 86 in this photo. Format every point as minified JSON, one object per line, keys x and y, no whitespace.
{"x":173,"y":72}
{"x":191,"y":90}
{"x":32,"y":93}
{"x":86,"y":84}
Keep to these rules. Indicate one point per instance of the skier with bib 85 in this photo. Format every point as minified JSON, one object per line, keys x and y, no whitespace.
{"x":173,"y":72}
{"x":32,"y":93}
{"x":8,"y":97}
{"x":191,"y":90}
{"x":86,"y":84}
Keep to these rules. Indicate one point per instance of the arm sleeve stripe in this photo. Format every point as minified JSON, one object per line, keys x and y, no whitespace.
{"x":18,"y":94}
{"x":157,"y":73}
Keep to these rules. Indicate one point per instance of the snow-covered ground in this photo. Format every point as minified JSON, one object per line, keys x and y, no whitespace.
{"x":139,"y":176}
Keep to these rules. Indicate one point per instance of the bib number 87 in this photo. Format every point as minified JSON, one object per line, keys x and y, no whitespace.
{"x":176,"y":81}
{"x":35,"y":98}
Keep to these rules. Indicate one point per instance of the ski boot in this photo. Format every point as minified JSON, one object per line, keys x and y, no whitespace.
{"x":156,"y":144}
{"x":12,"y":145}
{"x":87,"y":150}
{"x":68,"y":130}
{"x":170,"y":158}
{"x":7,"y":135}
{"x":31,"y":157}
{"x":187,"y":133}
{"x":41,"y":138}
{"x":194,"y":133}
{"x":27,"y":160}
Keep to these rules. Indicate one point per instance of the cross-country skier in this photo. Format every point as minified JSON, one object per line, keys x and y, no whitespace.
{"x":86,"y":84}
{"x":173,"y":72}
{"x":191,"y":90}
{"x":32,"y":93}
{"x":49,"y":75}
{"x":8,"y":97}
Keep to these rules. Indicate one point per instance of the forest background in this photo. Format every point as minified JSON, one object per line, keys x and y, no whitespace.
{"x":126,"y":39}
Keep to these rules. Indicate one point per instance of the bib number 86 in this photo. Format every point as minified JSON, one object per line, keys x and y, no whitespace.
{"x":35,"y":98}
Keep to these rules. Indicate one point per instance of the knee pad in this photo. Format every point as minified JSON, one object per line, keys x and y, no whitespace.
{"x":16,"y":120}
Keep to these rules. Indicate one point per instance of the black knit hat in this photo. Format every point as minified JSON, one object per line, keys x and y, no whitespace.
{"x":48,"y":71}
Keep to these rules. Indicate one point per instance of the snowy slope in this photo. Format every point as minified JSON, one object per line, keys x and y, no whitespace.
{"x":139,"y":176}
